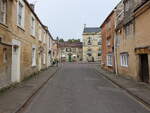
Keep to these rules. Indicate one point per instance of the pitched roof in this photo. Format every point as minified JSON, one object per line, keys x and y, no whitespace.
{"x":33,"y":12}
{"x":107,"y":18}
{"x":68,"y":44}
{"x":91,"y":30}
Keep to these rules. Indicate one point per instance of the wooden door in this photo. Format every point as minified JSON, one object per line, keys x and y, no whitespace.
{"x":144,"y":68}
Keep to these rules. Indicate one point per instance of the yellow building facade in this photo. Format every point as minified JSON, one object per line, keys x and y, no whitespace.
{"x":132,"y":42}
{"x":91,"y":44}
{"x":23,"y":42}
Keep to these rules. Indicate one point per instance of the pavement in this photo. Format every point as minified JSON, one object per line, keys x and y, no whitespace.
{"x":12,"y":99}
{"x":141,"y":91}
{"x":79,"y":88}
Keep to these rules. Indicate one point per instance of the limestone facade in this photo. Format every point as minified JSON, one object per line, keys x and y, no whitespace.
{"x":71,"y":52}
{"x":23,"y":41}
{"x":92,"y":44}
{"x":131,"y":39}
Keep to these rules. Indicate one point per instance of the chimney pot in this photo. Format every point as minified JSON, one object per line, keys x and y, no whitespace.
{"x":32,"y":6}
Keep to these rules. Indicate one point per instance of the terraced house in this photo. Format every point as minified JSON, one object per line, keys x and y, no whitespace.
{"x":107,"y":31}
{"x":24,"y":42}
{"x":55,"y":52}
{"x":131,"y":40}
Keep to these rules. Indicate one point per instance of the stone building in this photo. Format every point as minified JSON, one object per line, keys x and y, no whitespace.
{"x":23,"y":41}
{"x":107,"y":31}
{"x":132,"y":40}
{"x":142,"y":40}
{"x":55,"y":51}
{"x":119,"y":19}
{"x":70,"y":52}
{"x":49,"y":47}
{"x":92,"y":43}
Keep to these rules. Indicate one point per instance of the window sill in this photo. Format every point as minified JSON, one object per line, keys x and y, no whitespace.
{"x":33,"y":36}
{"x":20,"y":27}
{"x":40,"y":41}
{"x":124,"y":66}
{"x":109,"y":65}
{"x":33,"y":66}
{"x":4,"y":24}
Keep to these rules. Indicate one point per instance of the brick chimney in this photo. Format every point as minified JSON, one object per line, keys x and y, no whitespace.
{"x":46,"y":27}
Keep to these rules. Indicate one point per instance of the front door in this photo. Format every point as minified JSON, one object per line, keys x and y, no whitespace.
{"x":70,"y":60}
{"x":16,"y":61}
{"x":144,"y":68}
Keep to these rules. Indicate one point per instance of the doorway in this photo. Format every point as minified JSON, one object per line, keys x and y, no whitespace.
{"x":144,"y":68}
{"x":16,"y":51}
{"x":70,"y":58}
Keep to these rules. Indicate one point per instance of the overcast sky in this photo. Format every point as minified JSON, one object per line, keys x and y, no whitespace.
{"x":66,"y":18}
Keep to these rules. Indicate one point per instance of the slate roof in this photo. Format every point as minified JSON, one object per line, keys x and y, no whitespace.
{"x":91,"y":30}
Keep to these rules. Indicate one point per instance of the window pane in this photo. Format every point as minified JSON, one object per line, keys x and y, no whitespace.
{"x":2,"y":11}
{"x":20,"y":13}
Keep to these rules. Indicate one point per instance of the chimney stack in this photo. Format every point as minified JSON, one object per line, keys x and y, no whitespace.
{"x":84,"y":25}
{"x":46,"y":28}
{"x":32,"y":6}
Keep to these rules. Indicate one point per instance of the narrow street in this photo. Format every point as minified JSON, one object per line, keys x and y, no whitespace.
{"x":77,"y":88}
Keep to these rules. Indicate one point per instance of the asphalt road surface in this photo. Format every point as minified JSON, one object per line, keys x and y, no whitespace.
{"x":77,"y":88}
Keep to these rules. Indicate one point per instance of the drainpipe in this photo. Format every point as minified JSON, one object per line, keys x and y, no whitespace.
{"x":115,"y":45}
{"x":115,"y":55}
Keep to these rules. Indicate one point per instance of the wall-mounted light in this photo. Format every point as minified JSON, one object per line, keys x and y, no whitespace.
{"x":15,"y":47}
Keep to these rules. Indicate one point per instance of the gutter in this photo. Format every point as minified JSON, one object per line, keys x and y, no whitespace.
{"x":5,"y":44}
{"x":141,"y":5}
